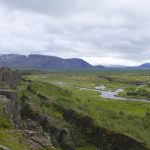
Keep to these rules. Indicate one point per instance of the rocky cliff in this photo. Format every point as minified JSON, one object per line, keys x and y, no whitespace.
{"x":9,"y":78}
{"x":33,"y":135}
{"x":99,"y":136}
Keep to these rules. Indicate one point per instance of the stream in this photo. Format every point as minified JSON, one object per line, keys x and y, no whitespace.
{"x":108,"y":94}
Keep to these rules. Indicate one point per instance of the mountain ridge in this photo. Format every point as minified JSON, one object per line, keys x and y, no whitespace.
{"x":144,"y":66}
{"x":46,"y":62}
{"x":36,"y":61}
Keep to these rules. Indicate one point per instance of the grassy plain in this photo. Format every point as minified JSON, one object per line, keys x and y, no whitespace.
{"x":127,"y":117}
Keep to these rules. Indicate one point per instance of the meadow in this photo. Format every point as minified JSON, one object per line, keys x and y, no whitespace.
{"x":128,"y":117}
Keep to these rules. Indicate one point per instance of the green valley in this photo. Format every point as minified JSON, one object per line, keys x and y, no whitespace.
{"x":66,"y":111}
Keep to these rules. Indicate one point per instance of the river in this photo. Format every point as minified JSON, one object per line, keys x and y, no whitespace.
{"x":107,"y":94}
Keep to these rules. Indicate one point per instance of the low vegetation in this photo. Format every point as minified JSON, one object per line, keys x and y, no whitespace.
{"x":75,"y":119}
{"x":127,"y":117}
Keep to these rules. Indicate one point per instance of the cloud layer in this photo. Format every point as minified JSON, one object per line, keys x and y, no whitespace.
{"x":99,"y":31}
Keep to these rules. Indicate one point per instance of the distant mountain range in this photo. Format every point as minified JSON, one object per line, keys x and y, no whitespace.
{"x":144,"y":66}
{"x":44,"y":62}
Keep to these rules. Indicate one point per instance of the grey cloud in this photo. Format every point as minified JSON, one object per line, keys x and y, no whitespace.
{"x":54,"y":7}
{"x":108,"y":30}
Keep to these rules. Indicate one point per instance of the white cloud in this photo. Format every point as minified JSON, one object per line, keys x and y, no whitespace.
{"x":100,"y":31}
{"x":114,"y":61}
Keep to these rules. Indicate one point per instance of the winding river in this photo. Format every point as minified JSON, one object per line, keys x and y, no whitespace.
{"x":107,"y":94}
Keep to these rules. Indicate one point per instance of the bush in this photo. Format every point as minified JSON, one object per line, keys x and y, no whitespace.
{"x":138,"y":92}
{"x":148,"y":114}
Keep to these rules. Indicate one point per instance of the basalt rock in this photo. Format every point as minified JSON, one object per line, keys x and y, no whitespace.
{"x":9,"y":77}
{"x":101,"y":137}
{"x":11,"y":105}
{"x":57,"y":134}
{"x":38,"y":139}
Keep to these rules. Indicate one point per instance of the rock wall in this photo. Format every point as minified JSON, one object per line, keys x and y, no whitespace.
{"x":101,"y":137}
{"x":11,"y":105}
{"x":9,"y":78}
{"x":56,"y":133}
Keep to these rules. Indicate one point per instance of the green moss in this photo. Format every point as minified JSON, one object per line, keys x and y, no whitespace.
{"x":12,"y":139}
{"x":5,"y":122}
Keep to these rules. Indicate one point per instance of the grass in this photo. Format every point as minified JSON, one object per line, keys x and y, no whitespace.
{"x":122,"y":116}
{"x":111,"y":79}
{"x":10,"y":137}
{"x":5,"y":122}
{"x":127,"y":117}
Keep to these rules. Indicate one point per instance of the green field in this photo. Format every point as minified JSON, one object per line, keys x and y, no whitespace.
{"x":127,"y":117}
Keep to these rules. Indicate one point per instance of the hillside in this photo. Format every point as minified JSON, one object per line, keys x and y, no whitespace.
{"x":39,"y":115}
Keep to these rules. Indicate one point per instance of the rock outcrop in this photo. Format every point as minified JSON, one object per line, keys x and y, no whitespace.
{"x":56,"y":133}
{"x":34,"y":133}
{"x":11,"y":105}
{"x":9,"y":78}
{"x":101,"y":137}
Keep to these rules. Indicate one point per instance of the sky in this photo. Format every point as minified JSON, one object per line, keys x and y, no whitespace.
{"x":102,"y":32}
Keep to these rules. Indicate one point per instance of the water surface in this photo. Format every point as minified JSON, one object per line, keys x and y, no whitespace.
{"x":107,"y":94}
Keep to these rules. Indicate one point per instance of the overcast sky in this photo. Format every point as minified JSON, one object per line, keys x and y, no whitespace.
{"x":98,"y":31}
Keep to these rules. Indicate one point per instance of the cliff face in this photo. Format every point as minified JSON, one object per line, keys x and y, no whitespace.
{"x":11,"y":106}
{"x":9,"y":78}
{"x":32,"y":132}
{"x":56,"y":134}
{"x":101,"y":137}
